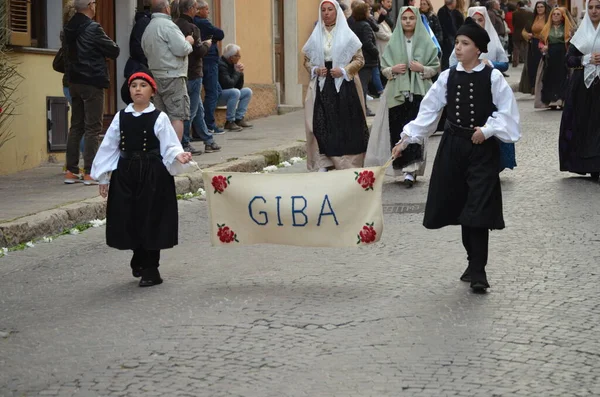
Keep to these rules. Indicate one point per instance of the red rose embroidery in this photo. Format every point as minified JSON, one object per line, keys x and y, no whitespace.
{"x":220,"y":183}
{"x":226,"y":235}
{"x":365,"y":179}
{"x":367,"y":235}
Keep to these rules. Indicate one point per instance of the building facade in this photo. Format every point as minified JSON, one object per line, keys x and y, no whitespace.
{"x":271,"y":34}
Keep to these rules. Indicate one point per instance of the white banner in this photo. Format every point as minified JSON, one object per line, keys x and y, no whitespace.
{"x":322,"y":209}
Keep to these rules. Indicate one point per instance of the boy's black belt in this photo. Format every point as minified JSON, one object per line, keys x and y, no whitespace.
{"x":457,"y":130}
{"x":138,"y":154}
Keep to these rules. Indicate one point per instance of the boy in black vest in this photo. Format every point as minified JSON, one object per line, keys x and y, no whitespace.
{"x":465,"y":185}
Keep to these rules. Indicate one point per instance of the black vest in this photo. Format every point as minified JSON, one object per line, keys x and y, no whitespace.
{"x":469,"y":97}
{"x":137,"y":133}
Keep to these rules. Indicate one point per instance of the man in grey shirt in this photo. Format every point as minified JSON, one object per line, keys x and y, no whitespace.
{"x":167,"y":51}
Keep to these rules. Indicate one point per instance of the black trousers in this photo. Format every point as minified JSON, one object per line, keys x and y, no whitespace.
{"x":476,"y":240}
{"x":146,"y":259}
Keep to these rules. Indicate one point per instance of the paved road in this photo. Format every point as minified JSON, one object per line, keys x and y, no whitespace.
{"x":386,"y":320}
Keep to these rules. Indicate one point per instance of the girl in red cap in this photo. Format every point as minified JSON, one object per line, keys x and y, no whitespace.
{"x":138,"y":157}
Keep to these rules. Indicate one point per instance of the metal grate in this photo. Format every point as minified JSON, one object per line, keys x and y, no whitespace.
{"x":58,"y":123}
{"x":404,"y":208}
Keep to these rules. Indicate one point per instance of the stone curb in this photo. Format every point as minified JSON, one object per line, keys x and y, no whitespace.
{"x":54,"y":221}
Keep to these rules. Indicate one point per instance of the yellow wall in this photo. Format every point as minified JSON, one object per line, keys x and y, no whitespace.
{"x":28,"y":148}
{"x":254,"y":34}
{"x":308,"y":14}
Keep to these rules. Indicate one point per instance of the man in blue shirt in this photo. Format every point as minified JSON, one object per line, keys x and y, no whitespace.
{"x":210,"y":80}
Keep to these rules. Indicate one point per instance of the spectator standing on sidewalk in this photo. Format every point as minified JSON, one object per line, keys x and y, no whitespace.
{"x":86,"y":47}
{"x":212,"y":90}
{"x":187,"y":11}
{"x":520,"y":18}
{"x":137,"y":58}
{"x":167,"y":50}
{"x":365,"y":34}
{"x":233,"y":94}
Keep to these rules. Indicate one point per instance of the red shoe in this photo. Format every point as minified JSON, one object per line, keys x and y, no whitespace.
{"x":71,"y":178}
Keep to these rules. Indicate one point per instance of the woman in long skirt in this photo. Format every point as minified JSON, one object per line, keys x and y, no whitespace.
{"x":532,"y":33}
{"x":409,"y":62}
{"x":551,"y":82}
{"x":579,"y":139}
{"x":336,"y":127}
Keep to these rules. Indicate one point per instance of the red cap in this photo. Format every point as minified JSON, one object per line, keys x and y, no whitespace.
{"x":143,"y":76}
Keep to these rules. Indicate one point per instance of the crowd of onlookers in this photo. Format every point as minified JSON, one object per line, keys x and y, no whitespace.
{"x":176,"y":43}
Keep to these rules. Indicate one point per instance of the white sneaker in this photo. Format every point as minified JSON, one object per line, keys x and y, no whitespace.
{"x":369,"y":98}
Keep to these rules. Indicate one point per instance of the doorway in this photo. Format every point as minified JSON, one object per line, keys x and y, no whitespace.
{"x":279,"y":47}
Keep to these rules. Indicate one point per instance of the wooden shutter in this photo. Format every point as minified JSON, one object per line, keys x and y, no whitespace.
{"x":58,"y":123}
{"x":19,"y":21}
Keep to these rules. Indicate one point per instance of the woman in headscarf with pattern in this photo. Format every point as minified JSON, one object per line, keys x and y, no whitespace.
{"x":551,"y":81}
{"x":409,"y":62}
{"x":579,"y":139}
{"x":336,"y":127}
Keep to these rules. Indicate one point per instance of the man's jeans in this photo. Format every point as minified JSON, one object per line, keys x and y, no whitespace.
{"x":212,"y":90}
{"x":237,"y":102}
{"x":86,"y":121}
{"x":70,"y":100}
{"x":196,"y":115}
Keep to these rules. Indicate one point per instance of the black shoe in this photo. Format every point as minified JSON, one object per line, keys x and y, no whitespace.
{"x":232,"y":126}
{"x":136,"y":266}
{"x":370,"y":113}
{"x":479,"y":283}
{"x":242,"y":123}
{"x":213,"y":147}
{"x":190,"y":149}
{"x":505,"y":75}
{"x":150,"y":277}
{"x":595,"y":176}
{"x":466,"y":276}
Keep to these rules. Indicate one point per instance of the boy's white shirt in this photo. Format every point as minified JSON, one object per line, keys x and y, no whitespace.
{"x":107,"y":157}
{"x":503,"y":123}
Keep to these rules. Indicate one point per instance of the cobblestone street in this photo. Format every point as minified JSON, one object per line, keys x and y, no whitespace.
{"x":385,"y":320}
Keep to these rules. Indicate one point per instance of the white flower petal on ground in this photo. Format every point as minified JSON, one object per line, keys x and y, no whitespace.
{"x":188,"y":195}
{"x":98,"y":222}
{"x":270,"y":168}
{"x":47,"y":239}
{"x":257,"y":172}
{"x":285,"y":164}
{"x":202,"y":192}
{"x":74,"y":231}
{"x":3,"y":251}
{"x":30,"y":244}
{"x":295,"y":160}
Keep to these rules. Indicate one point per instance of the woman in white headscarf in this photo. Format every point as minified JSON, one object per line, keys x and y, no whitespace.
{"x":495,"y":56}
{"x":336,"y":127}
{"x":409,"y":62}
{"x":579,"y":139}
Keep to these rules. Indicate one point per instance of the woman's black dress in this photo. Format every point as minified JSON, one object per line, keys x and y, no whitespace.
{"x":399,"y":116}
{"x":339,"y":123}
{"x":142,"y":204}
{"x":554,"y":83}
{"x":579,"y":139}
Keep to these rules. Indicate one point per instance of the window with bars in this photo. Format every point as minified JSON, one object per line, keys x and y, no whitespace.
{"x":35,"y":23}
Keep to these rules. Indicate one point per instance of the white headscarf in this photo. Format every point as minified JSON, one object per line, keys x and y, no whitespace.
{"x":495,"y":52}
{"x":344,"y":45}
{"x":587,"y":40}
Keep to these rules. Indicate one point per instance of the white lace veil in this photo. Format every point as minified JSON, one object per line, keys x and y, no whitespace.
{"x":495,"y":52}
{"x":587,"y":40}
{"x":344,"y":46}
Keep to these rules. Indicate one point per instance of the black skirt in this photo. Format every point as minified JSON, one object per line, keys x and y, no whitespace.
{"x":339,"y":123}
{"x":399,"y":116}
{"x":142,"y":205}
{"x":465,"y":184}
{"x":554,"y":84}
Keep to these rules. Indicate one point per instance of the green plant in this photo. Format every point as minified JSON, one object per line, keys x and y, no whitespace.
{"x":9,"y":78}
